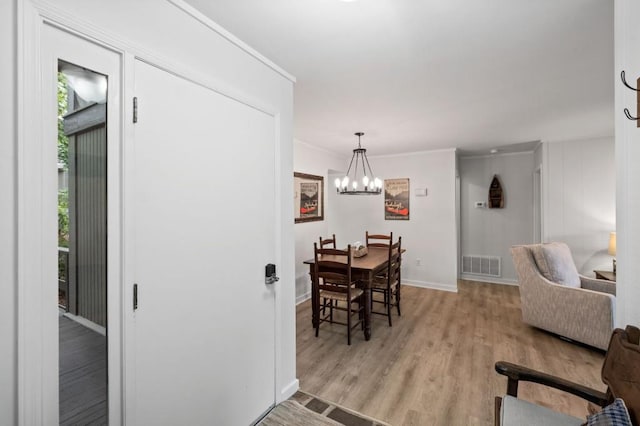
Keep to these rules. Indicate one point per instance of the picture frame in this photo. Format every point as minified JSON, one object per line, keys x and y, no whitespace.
{"x":308,"y":201}
{"x":396,"y":199}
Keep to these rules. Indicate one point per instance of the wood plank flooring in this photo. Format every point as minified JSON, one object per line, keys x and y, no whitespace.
{"x":83,"y":375}
{"x":435,"y":366}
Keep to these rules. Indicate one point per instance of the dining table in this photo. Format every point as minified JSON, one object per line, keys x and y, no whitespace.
{"x":363,"y":268}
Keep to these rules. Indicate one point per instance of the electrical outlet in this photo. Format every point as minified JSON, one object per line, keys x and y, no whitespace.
{"x":418,"y":262}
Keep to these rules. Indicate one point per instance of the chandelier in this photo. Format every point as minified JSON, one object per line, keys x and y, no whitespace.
{"x":362,"y":175}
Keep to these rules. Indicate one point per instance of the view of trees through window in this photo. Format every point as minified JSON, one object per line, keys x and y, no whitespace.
{"x":63,"y":195}
{"x":63,"y":161}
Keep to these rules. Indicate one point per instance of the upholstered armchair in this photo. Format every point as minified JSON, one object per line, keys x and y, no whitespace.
{"x":554,"y":297}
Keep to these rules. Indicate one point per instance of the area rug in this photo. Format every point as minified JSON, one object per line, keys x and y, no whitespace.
{"x":306,"y":409}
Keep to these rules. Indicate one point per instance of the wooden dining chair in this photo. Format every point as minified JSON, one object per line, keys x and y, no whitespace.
{"x":379,"y":240}
{"x":388,"y":283}
{"x":328,"y":242}
{"x":333,"y":283}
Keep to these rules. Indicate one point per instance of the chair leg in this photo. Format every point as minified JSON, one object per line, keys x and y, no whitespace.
{"x":348,"y":322}
{"x":331,"y":311}
{"x":398,"y":299}
{"x":389,"y":306}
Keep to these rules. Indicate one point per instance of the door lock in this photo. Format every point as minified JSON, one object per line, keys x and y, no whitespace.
{"x":270,"y":276}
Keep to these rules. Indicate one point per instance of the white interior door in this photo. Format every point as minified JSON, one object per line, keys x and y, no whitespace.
{"x":204,"y":225}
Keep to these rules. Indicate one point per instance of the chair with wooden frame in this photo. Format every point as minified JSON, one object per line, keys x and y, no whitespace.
{"x":333,"y":282}
{"x":388,"y":283}
{"x":378,"y":240}
{"x":620,"y":372}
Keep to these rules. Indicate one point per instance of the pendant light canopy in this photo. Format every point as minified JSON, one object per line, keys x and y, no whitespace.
{"x":359,"y":179}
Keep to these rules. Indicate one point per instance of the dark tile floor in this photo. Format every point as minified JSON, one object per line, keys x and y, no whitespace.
{"x":334,"y":412}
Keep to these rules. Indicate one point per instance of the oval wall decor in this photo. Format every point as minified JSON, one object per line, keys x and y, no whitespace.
{"x":496,"y":194}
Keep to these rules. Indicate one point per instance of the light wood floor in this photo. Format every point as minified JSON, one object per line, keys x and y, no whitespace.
{"x":435,"y":365}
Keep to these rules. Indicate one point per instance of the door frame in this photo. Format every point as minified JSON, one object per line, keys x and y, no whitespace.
{"x":537,"y":205}
{"x":36,"y":373}
{"x":38,"y":368}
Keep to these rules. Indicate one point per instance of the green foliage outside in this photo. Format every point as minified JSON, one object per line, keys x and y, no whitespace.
{"x":63,"y":141}
{"x":63,"y":157}
{"x":63,"y":218}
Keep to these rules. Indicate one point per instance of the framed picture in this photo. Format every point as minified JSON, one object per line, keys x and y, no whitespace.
{"x":396,"y":199}
{"x":308,"y":199}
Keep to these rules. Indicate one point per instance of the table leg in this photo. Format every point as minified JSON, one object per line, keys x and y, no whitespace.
{"x":367,"y":306}
{"x":314,"y":312}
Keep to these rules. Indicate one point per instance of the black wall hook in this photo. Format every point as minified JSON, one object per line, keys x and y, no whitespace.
{"x":637,"y":90}
{"x":629,"y":116}
{"x":624,"y":81}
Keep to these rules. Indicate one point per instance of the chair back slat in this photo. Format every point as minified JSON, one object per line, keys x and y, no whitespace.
{"x":378,"y":240}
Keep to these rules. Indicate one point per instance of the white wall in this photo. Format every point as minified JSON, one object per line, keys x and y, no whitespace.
{"x":579,"y":199}
{"x":311,"y":160}
{"x":8,"y":324}
{"x":492,"y":232}
{"x":190,"y":47}
{"x":627,"y":40}
{"x":430,"y":234}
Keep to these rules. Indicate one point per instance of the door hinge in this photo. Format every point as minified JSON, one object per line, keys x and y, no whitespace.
{"x":135,"y":109}
{"x":135,"y":297}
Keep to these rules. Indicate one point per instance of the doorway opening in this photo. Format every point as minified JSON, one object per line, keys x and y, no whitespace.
{"x":82,"y":245}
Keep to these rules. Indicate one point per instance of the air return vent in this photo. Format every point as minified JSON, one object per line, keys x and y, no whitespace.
{"x":489,"y":266}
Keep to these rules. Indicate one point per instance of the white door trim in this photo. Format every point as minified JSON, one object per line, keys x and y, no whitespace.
{"x":537,"y":204}
{"x":31,"y":383}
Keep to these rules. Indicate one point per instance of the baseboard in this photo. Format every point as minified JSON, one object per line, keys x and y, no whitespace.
{"x":433,"y":286}
{"x":491,"y":280}
{"x":289,"y":390}
{"x":89,"y":324}
{"x":303,"y":283}
{"x":303,"y":298}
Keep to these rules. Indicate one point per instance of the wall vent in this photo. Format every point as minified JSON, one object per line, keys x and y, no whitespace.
{"x":489,"y":266}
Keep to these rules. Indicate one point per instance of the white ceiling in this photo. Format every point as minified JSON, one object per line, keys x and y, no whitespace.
{"x":418,"y":75}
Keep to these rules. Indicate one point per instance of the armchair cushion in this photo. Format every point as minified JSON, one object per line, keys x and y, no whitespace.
{"x":555,"y":262}
{"x":615,"y":414}
{"x":518,"y":412}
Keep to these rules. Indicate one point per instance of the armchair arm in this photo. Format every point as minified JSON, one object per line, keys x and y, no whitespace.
{"x":602,"y":286}
{"x":516,"y":373}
